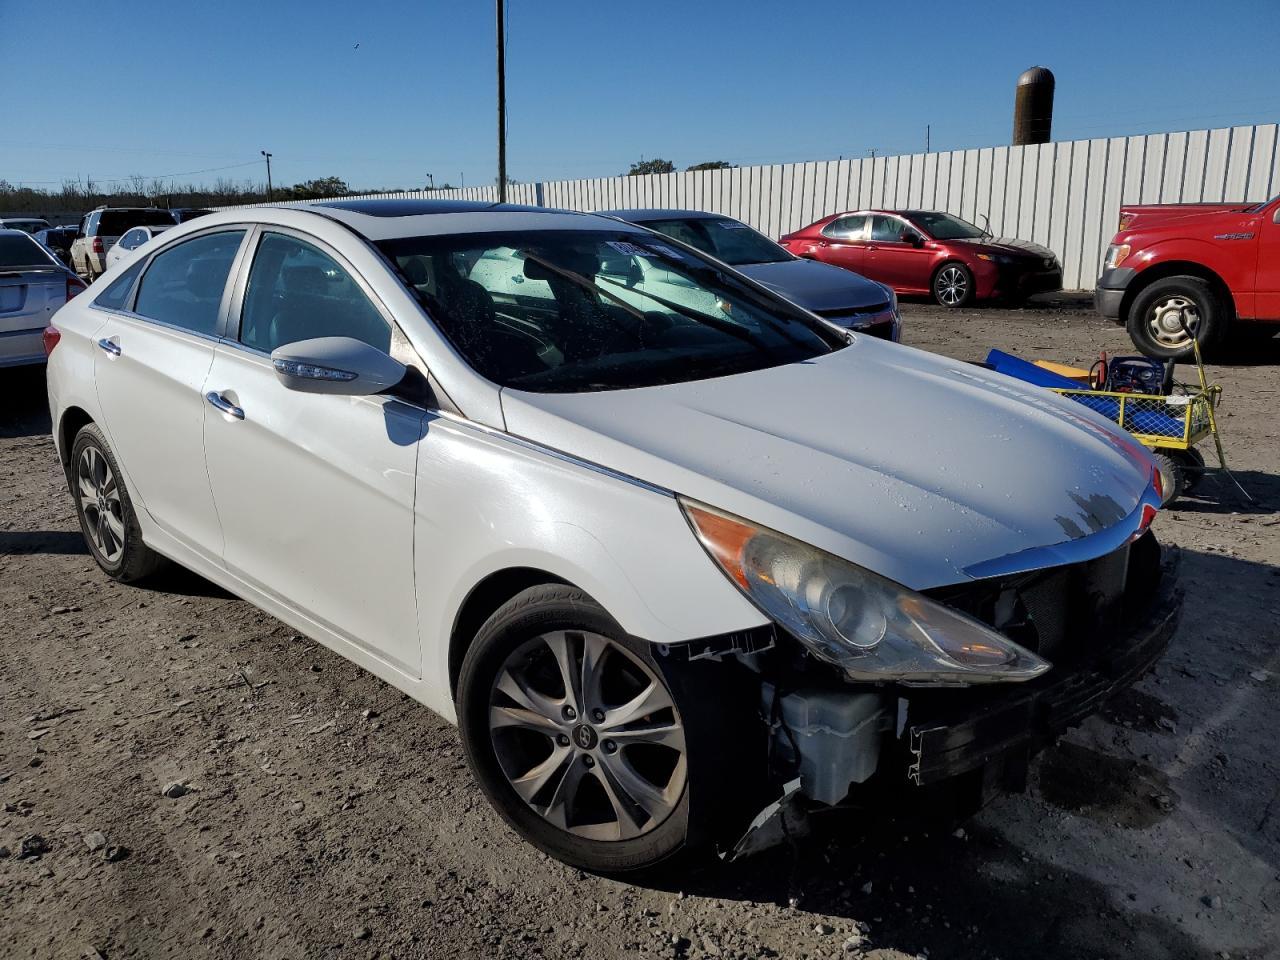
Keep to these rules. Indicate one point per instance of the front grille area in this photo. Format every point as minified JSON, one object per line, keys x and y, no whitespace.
{"x":1063,"y":613}
{"x":853,"y":313}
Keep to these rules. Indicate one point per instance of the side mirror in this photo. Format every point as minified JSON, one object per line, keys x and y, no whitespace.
{"x":337,"y":365}
{"x":913,"y":238}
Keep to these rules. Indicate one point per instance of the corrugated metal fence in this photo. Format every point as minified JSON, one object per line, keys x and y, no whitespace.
{"x":1065,"y":195}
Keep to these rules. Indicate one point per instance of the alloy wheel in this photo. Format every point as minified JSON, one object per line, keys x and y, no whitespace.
{"x":99,"y":493}
{"x":588,"y":735}
{"x":1166,"y":320}
{"x":951,"y":286}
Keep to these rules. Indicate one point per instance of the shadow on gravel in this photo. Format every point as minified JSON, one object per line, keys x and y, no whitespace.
{"x":24,"y":402}
{"x":1215,"y":493}
{"x":963,"y":898}
{"x":182,"y":582}
{"x":1248,"y":351}
{"x":20,"y":542}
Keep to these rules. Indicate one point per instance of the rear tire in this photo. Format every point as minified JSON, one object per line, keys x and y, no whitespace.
{"x":558,"y":762}
{"x":1191,"y":462}
{"x":1172,"y":476}
{"x":1154,"y":321}
{"x":106,"y":514}
{"x":953,"y":285}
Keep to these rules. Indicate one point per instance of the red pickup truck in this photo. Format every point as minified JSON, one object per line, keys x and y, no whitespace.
{"x":1213,"y":266}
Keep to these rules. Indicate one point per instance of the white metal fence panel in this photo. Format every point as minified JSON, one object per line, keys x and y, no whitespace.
{"x":1066,"y":195}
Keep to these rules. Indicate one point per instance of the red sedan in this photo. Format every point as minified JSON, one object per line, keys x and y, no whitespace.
{"x":927,"y":252}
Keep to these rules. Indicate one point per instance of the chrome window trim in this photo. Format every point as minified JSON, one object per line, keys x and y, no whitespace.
{"x":553,"y":452}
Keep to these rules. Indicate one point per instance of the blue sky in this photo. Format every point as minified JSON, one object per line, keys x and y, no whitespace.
{"x":162,"y":88}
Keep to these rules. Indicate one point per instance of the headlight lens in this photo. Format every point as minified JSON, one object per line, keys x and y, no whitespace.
{"x":1117,"y":253}
{"x":870,"y":627}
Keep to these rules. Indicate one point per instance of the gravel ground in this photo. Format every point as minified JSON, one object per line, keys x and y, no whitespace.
{"x":313,"y":811}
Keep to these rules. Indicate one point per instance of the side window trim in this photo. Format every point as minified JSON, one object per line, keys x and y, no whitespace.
{"x":223,"y":318}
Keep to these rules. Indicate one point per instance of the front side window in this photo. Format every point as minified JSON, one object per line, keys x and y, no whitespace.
{"x":131,"y":239}
{"x":298,"y":292}
{"x":577,"y":311}
{"x":729,"y":240}
{"x":887,"y":229}
{"x":183,"y":284}
{"x":845,"y":228}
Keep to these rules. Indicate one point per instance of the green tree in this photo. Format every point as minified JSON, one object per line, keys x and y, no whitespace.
{"x":712,"y":165}
{"x":651,"y":166}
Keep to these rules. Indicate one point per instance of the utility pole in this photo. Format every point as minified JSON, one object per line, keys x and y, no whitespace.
{"x":926,"y":137}
{"x":431,"y":182}
{"x":502,"y":105}
{"x":268,"y":156}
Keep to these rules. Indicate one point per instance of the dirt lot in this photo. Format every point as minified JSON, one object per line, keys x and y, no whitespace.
{"x":329,"y":816}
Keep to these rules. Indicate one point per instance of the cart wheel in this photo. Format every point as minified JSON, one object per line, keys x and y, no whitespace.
{"x":1171,"y":475}
{"x":1191,"y":461}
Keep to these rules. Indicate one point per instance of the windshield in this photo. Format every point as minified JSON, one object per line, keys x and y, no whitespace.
{"x":943,"y":226}
{"x":576,"y":311}
{"x":728,"y":240}
{"x":22,"y":251}
{"x":114,"y":223}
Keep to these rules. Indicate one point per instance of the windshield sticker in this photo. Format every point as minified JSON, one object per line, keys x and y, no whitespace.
{"x":666,"y":251}
{"x":731,"y":225}
{"x":629,"y":249}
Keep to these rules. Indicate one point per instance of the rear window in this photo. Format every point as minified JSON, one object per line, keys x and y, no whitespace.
{"x":22,"y":251}
{"x":114,"y":223}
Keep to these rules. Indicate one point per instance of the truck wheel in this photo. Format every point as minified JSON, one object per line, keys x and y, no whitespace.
{"x":1159,"y":312}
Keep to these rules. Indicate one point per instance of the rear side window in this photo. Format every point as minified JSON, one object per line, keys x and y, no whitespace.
{"x":845,"y":228}
{"x":298,"y":292}
{"x":183,"y":285}
{"x":116,"y":296}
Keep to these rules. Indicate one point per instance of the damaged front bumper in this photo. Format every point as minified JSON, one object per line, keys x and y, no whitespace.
{"x":947,"y":738}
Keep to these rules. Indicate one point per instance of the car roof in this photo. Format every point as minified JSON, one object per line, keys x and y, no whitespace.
{"x":638,"y":215}
{"x":395,"y":218}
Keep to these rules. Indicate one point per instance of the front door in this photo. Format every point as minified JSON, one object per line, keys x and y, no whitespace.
{"x":315,"y":492}
{"x":903,"y":265}
{"x":152,"y":356}
{"x":1268,"y":283}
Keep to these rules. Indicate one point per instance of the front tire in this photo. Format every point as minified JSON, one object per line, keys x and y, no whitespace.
{"x":1156,"y":318}
{"x":106,"y":514}
{"x":953,"y":285}
{"x":574,"y":734}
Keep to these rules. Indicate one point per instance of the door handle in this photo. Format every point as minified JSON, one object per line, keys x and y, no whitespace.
{"x":872,"y":246}
{"x":110,"y":347}
{"x":224,"y":406}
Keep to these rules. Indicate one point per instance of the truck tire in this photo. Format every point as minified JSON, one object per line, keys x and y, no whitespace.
{"x":1156,"y":315}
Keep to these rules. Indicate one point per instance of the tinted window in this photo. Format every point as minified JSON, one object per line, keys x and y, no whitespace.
{"x":577,"y":311}
{"x":116,"y":296}
{"x":114,"y":223}
{"x":22,"y":251}
{"x":183,"y":285}
{"x":943,"y":226}
{"x":131,"y":239}
{"x":887,"y":229}
{"x":297,"y":292}
{"x":728,"y":240}
{"x":845,"y":228}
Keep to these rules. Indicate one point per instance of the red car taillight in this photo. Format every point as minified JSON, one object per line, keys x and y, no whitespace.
{"x":75,"y":285}
{"x":97,"y":244}
{"x":50,"y":338}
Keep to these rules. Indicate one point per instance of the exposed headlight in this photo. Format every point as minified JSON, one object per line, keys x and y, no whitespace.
{"x":1116,"y":255}
{"x":870,"y":627}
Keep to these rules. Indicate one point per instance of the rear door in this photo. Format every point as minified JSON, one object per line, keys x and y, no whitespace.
{"x":153,"y":355}
{"x":316,"y":492}
{"x":843,"y":242}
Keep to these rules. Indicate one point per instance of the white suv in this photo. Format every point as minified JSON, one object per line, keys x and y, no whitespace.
{"x":100,"y":230}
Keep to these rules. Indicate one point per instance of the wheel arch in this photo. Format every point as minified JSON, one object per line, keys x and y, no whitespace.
{"x":481,"y":603}
{"x":1177,"y":268}
{"x":73,"y":420}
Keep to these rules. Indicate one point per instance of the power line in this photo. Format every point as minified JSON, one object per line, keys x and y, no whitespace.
{"x":161,"y":176}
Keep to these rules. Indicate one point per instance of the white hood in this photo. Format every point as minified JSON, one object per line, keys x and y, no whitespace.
{"x":923,"y":469}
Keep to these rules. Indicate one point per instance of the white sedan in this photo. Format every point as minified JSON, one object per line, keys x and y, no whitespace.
{"x":666,"y":549}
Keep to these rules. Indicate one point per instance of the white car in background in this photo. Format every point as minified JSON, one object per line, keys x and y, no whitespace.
{"x":659,"y":550}
{"x":131,"y":241}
